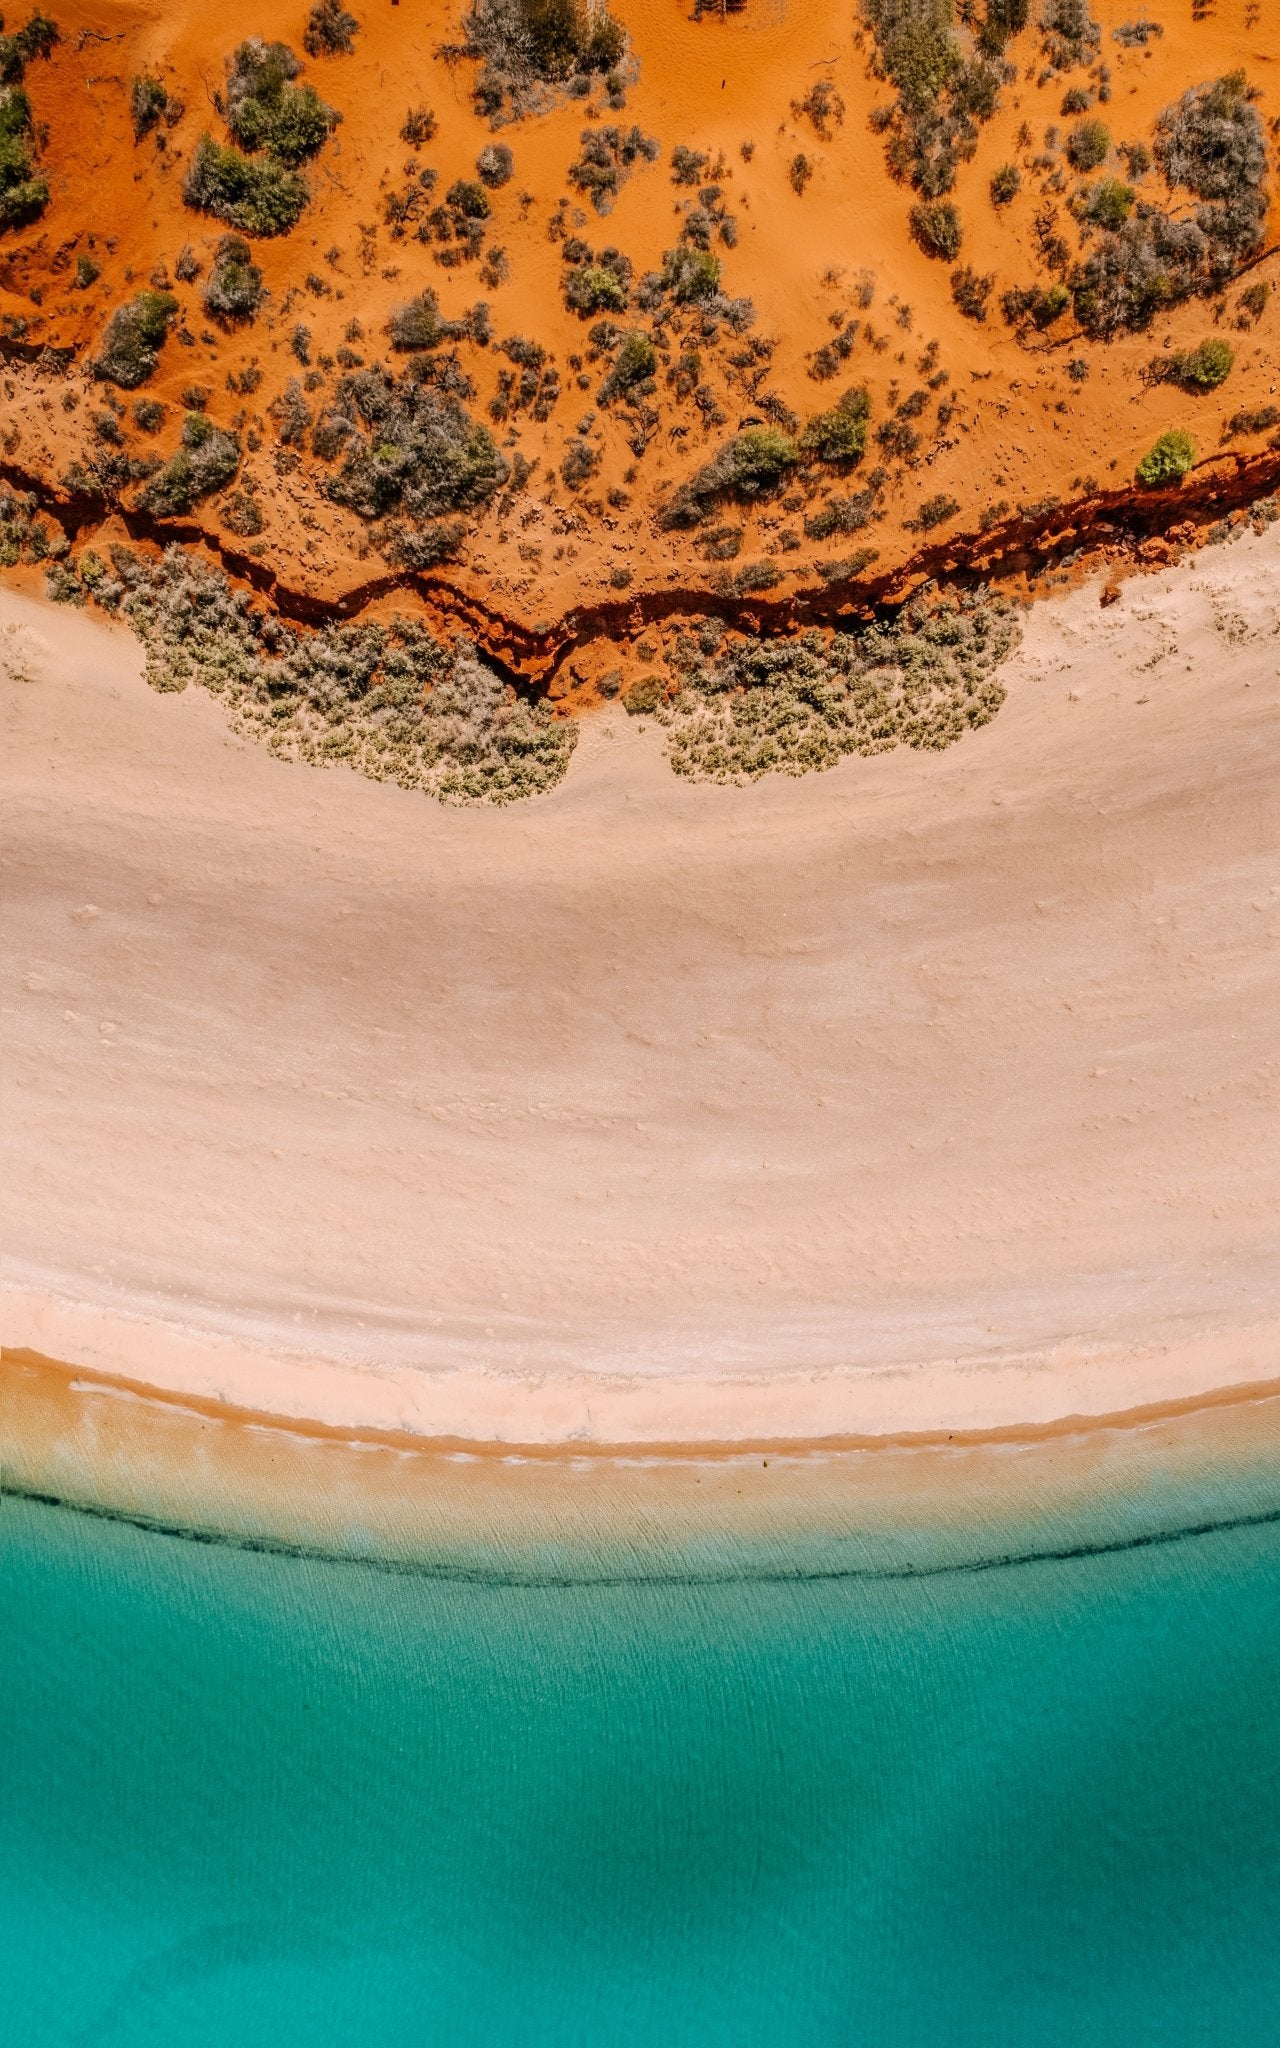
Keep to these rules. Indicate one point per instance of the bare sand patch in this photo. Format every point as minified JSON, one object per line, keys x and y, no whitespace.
{"x":934,"y":1092}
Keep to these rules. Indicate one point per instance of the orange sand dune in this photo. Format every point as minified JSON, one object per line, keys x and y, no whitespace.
{"x":1021,"y":433}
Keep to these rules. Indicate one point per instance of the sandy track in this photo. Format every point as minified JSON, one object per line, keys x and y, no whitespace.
{"x":935,"y":1091}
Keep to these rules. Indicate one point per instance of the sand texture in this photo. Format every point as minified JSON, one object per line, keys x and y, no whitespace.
{"x":933,"y":1092}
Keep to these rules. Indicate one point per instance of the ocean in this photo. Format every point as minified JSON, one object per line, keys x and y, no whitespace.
{"x":259,"y":1799}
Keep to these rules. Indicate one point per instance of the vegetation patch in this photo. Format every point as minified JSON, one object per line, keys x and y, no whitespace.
{"x":277,"y":125}
{"x":1202,"y":368}
{"x":606,"y":158}
{"x":135,"y":335}
{"x":742,"y":709}
{"x":407,"y":447}
{"x":330,"y":31}
{"x":532,"y":51}
{"x":388,"y":699}
{"x":1169,"y":461}
{"x":235,"y":289}
{"x":947,"y":81}
{"x":206,"y":461}
{"x":1209,"y":143}
{"x":24,"y":191}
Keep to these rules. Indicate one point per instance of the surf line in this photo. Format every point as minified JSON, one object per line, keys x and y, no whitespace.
{"x":456,"y":1573}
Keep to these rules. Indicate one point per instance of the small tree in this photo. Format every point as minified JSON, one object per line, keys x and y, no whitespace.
{"x":1169,"y":461}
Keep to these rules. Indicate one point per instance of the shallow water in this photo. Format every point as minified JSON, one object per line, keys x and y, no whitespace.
{"x":260,"y":1799}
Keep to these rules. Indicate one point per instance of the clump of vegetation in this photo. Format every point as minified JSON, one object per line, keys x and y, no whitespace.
{"x":1253,"y":420}
{"x":633,"y":368}
{"x":1088,"y":145}
{"x":971,"y":291}
{"x":799,"y":172}
{"x":330,"y":30}
{"x":595,"y":283}
{"x":739,"y":709}
{"x":418,"y":127}
{"x":936,"y":226}
{"x":606,"y":159}
{"x":135,"y":335}
{"x":1134,"y":35}
{"x":1169,"y":461}
{"x":1211,"y":144}
{"x":420,"y":324}
{"x":1070,"y":36}
{"x":933,"y":512}
{"x":532,"y":385}
{"x":25,"y":534}
{"x":751,"y":465}
{"x":944,"y":90}
{"x":24,"y":192}
{"x":278,"y":125}
{"x":235,"y":289}
{"x":267,"y":110}
{"x":255,"y":194}
{"x":839,"y":436}
{"x":1006,"y":183}
{"x":387,"y":699}
{"x":824,"y":107}
{"x":406,"y":447}
{"x":149,"y":104}
{"x":494,"y":165}
{"x":1108,"y":204}
{"x":206,"y":461}
{"x":527,"y":49}
{"x":457,"y":227}
{"x":1196,"y":369}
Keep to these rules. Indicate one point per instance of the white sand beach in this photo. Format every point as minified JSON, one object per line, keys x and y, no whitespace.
{"x":936,"y":1092}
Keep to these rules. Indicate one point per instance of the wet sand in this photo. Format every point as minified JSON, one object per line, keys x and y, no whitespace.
{"x":933,"y":1093}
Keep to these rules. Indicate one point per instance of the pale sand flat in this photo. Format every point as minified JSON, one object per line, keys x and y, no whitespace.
{"x":934,"y":1092}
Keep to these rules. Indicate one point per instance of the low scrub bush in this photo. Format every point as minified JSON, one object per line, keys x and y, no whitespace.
{"x":1196,"y":369}
{"x":235,"y":289}
{"x":206,"y":461}
{"x":971,"y":291}
{"x":752,"y":707}
{"x":255,"y":194}
{"x":330,"y":30}
{"x":1169,"y":461}
{"x":1006,"y":183}
{"x":148,"y":103}
{"x":1254,"y":420}
{"x":266,"y":110}
{"x":595,"y":283}
{"x":494,"y":165}
{"x":527,"y":49}
{"x":388,"y":699}
{"x":135,"y":335}
{"x":607,"y":156}
{"x":634,"y":366}
{"x":936,"y":226}
{"x":405,"y":447}
{"x":839,"y":436}
{"x":1088,"y":145}
{"x":24,"y":191}
{"x":945,"y":87}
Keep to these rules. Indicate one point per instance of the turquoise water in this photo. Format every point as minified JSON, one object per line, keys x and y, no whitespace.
{"x":270,"y":1802}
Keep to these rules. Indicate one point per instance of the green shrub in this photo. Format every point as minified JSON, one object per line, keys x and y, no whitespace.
{"x":235,"y":289}
{"x":418,"y":127}
{"x":208,"y":458}
{"x":267,"y":111}
{"x":135,"y":335}
{"x":1088,"y":145}
{"x":839,"y":435}
{"x":418,"y":325}
{"x":330,"y":31}
{"x":494,"y":165}
{"x":148,"y":103}
{"x":644,"y":696}
{"x":525,"y":45}
{"x":936,"y":226}
{"x":1006,"y":183}
{"x":24,"y":193}
{"x":87,"y":272}
{"x":1202,"y":368}
{"x":934,"y":512}
{"x":690,"y":274}
{"x":635,"y":363}
{"x":1169,"y":460}
{"x":255,"y":194}
{"x":1109,"y":203}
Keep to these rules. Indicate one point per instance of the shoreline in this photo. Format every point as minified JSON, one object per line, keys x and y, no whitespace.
{"x":186,"y":1467}
{"x":975,"y":1402}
